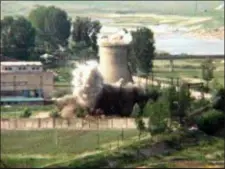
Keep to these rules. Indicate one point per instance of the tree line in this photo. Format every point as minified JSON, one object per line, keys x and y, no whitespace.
{"x":51,"y":30}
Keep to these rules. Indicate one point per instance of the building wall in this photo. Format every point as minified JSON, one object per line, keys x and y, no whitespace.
{"x":114,"y":64}
{"x":17,"y":81}
{"x":22,"y":68}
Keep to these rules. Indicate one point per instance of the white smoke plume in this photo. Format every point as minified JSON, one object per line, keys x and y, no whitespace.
{"x":87,"y":83}
{"x":121,"y":37}
{"x":88,"y":86}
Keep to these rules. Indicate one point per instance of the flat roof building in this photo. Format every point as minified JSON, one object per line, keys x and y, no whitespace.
{"x":26,"y":81}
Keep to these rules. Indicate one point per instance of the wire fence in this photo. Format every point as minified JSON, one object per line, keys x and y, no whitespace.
{"x":55,"y":142}
{"x":89,"y":123}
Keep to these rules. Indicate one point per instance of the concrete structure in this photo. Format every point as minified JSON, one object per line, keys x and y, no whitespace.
{"x":23,"y":80}
{"x":113,"y":61}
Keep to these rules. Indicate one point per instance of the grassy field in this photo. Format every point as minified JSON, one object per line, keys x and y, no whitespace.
{"x":187,"y":69}
{"x":183,"y":150}
{"x":181,"y":13}
{"x":187,"y":154}
{"x":38,"y":148}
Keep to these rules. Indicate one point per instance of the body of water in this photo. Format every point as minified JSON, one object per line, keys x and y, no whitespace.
{"x":175,"y":41}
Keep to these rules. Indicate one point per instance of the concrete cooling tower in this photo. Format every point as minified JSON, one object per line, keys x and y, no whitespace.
{"x":113,"y":53}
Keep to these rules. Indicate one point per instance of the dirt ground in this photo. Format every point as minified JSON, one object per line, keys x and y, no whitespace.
{"x":42,"y":114}
{"x":211,"y":34}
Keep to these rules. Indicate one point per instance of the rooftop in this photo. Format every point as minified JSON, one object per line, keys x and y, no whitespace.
{"x":21,"y":63}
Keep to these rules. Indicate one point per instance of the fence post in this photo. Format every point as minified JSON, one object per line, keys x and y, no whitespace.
{"x":39,"y":123}
{"x":98,"y":135}
{"x":15,"y":123}
{"x":178,"y":82}
{"x":82,"y":123}
{"x":8,"y":124}
{"x":112,"y":123}
{"x":68,"y":122}
{"x":126,"y":122}
{"x":53,"y":122}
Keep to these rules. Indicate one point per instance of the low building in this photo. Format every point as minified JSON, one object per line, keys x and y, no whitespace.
{"x":23,"y":82}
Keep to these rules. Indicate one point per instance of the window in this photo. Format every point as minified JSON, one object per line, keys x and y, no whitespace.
{"x":8,"y":68}
{"x":35,"y":68}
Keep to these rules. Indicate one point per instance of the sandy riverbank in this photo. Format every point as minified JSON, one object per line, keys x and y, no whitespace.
{"x":209,"y":34}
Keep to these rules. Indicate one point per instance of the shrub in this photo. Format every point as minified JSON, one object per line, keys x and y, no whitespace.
{"x":140,"y":124}
{"x":207,"y":70}
{"x":211,"y":121}
{"x":196,"y":104}
{"x":216,"y":86}
{"x":26,"y":113}
{"x":81,"y":112}
{"x":61,"y":93}
{"x":218,"y":100}
{"x":54,"y":114}
{"x":157,"y":116}
{"x":157,"y":129}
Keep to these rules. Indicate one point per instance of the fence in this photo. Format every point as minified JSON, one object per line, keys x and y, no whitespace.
{"x":72,"y":123}
{"x":164,"y":83}
{"x":60,"y":141}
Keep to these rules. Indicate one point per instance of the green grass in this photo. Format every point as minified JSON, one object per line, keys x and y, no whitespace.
{"x":69,"y":142}
{"x":38,"y":148}
{"x":125,"y":157}
{"x":19,"y":148}
{"x":187,"y":69}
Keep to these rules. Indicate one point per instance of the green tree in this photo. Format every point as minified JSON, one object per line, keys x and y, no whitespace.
{"x":172,"y":96}
{"x":52,"y":25}
{"x":158,"y":116}
{"x":143,"y":49}
{"x":207,"y":71}
{"x":84,"y":33}
{"x":184,"y":102}
{"x":17,"y":37}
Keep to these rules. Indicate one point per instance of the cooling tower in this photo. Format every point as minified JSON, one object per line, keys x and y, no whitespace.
{"x":113,"y":62}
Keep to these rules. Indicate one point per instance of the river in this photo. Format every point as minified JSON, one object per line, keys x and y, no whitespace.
{"x":176,"y":41}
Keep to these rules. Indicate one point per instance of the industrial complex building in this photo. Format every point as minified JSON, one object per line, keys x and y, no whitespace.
{"x":25,"y":82}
